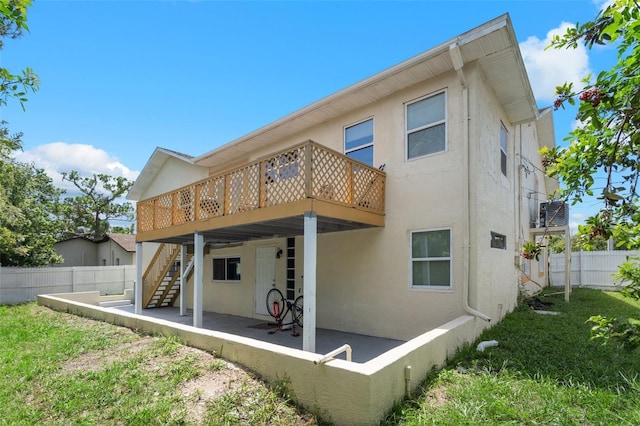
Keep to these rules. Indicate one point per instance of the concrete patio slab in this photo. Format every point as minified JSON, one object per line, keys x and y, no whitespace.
{"x":364,"y":348}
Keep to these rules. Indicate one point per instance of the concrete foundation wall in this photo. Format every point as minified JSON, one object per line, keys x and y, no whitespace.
{"x":344,"y":393}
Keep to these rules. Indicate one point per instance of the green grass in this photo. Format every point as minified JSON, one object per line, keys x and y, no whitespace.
{"x":58,"y":369}
{"x":545,"y":371}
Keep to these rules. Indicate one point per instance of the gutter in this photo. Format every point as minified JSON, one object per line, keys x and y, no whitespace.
{"x":458,"y":63}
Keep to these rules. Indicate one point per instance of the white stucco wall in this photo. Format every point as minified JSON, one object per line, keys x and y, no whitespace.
{"x":174,"y":174}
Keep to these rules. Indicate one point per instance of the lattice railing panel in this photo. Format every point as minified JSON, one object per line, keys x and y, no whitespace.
{"x":211,"y":197}
{"x":185,"y":211}
{"x":162,"y":218}
{"x":145,"y":211}
{"x":330,"y":180}
{"x":368,"y":188}
{"x":283,"y":177}
{"x":307,"y":170}
{"x":243,"y":193}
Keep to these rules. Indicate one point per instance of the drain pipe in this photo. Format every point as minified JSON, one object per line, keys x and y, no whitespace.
{"x":458,"y":63}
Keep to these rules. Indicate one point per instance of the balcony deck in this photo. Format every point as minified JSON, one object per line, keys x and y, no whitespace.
{"x":268,"y":198}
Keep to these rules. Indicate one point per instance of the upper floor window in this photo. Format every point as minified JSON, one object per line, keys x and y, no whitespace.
{"x":503,"y":149}
{"x":431,"y":259}
{"x":426,"y":126}
{"x":358,"y":141}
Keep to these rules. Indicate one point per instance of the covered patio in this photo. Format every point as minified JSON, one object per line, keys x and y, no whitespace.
{"x":307,"y":189}
{"x":364,"y":348}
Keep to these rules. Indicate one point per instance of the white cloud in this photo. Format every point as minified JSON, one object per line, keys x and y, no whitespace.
{"x":58,"y":157}
{"x":603,"y":4}
{"x":552,"y":67}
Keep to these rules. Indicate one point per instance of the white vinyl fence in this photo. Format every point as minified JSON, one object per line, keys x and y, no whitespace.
{"x":19,"y":285}
{"x":590,"y":268}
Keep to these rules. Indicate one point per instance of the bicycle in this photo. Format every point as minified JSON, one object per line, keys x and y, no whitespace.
{"x":276,"y":304}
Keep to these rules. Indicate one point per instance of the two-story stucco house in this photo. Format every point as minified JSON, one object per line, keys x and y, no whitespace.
{"x":394,"y":206}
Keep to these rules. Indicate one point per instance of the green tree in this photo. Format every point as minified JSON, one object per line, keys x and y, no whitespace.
{"x":607,"y":140}
{"x":579,"y":242}
{"x":28,"y":205}
{"x":97,"y":204}
{"x":122,"y":229}
{"x":28,"y":199}
{"x":13,"y":21}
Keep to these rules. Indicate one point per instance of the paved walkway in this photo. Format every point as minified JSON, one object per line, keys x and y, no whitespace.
{"x":364,"y":348}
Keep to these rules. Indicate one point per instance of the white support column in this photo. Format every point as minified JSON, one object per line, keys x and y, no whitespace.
{"x":198,"y":255}
{"x":310,"y":259}
{"x":183,"y":280}
{"x":137,"y":288}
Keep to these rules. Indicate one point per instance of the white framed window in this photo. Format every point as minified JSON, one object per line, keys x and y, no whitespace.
{"x":431,"y":259}
{"x":358,"y":141}
{"x":503,"y":149}
{"x":426,"y":126}
{"x":226,"y":268}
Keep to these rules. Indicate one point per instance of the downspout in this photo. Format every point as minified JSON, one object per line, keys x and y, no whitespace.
{"x":458,"y":63}
{"x":518,"y":229}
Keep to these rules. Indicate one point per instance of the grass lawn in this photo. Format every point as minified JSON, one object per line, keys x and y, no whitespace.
{"x":545,"y":371}
{"x":57,"y":368}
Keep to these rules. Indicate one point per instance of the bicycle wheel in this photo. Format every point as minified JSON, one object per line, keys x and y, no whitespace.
{"x":275,"y":303}
{"x":299,"y":311}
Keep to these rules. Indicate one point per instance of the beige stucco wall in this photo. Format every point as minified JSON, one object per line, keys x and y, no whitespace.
{"x":494,"y":279}
{"x":77,"y":252}
{"x":110,"y":253}
{"x":363,"y":276}
{"x":174,"y":174}
{"x":363,"y":282}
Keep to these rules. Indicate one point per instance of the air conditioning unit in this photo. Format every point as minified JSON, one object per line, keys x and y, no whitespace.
{"x":554,"y":213}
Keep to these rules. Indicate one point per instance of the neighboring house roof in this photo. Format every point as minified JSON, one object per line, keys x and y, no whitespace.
{"x":155,"y":163}
{"x":126,"y":241}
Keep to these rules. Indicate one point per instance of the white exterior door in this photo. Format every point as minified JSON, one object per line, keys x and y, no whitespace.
{"x":265,"y":276}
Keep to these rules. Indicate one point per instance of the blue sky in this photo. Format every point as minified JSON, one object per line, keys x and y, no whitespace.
{"x":119,"y":78}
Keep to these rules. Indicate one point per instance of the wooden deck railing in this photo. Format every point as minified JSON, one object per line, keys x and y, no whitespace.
{"x":307,"y":170}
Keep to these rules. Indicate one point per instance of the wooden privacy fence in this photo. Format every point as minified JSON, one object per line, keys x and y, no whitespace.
{"x":590,"y":268}
{"x":20,"y":285}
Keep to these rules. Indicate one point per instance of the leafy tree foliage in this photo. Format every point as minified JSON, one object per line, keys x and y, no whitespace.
{"x":28,"y":199}
{"x":122,"y":229}
{"x":607,"y":140}
{"x":97,"y":204}
{"x":28,"y":204}
{"x":578,"y":243}
{"x":13,"y":21}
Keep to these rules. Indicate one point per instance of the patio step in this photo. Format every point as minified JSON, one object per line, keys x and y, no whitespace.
{"x":112,"y":303}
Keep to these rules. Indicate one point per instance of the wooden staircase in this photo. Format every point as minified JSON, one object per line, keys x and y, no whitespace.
{"x":161,"y":285}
